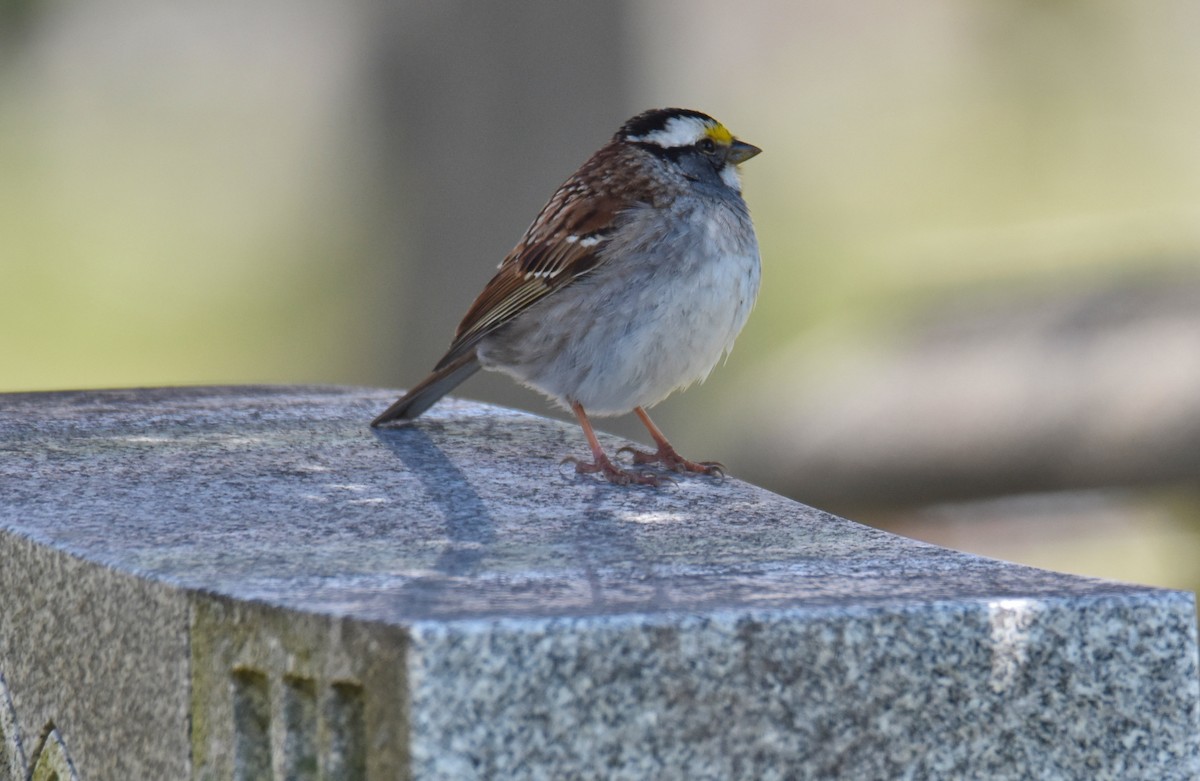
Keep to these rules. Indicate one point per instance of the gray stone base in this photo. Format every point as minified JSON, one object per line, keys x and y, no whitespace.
{"x":216,"y":583}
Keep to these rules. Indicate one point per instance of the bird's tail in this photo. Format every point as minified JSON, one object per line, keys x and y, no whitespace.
{"x":429,"y":390}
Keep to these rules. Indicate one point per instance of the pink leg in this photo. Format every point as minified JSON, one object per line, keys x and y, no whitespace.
{"x":601,"y":463}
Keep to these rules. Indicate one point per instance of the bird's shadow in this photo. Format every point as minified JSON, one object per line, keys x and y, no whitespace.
{"x":598,"y":536}
{"x":469,"y":526}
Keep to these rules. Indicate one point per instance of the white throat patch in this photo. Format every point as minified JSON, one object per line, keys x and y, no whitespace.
{"x":729,"y":174}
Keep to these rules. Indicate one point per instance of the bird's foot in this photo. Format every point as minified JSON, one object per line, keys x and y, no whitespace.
{"x":668,"y":458}
{"x":614,"y":474}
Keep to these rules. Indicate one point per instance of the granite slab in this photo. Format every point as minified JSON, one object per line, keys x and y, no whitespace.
{"x":447,"y":600}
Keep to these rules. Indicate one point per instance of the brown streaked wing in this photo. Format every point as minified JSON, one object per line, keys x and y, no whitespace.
{"x":543,"y":262}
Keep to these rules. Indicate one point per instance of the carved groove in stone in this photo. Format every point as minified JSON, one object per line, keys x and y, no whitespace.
{"x":251,"y":726}
{"x":348,"y":740}
{"x":322,"y":734}
{"x":52,"y":762}
{"x":300,"y":729}
{"x":296,"y":695}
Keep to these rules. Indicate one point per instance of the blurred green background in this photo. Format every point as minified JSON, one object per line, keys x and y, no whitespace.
{"x":980,"y":224}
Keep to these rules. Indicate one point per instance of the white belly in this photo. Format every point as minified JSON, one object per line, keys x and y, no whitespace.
{"x":642,"y":325}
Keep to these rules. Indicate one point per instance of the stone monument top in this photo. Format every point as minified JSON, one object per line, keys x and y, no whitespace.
{"x":285,"y":496}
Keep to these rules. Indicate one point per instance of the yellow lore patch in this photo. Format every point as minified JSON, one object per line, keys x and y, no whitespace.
{"x":719,"y":133}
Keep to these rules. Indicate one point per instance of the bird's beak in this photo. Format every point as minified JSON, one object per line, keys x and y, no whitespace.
{"x":740,"y":152}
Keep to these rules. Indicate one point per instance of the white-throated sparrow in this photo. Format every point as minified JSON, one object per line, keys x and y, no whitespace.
{"x":632,"y":282}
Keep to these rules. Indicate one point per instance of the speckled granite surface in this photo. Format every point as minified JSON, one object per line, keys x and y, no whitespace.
{"x":532,"y":623}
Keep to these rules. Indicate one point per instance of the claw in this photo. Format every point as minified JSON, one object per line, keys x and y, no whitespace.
{"x":668,"y":458}
{"x":614,"y":474}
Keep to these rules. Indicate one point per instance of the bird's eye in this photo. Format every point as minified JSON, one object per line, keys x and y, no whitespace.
{"x":707,"y":146}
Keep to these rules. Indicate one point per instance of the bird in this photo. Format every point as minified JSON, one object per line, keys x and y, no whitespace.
{"x":631,"y":283}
